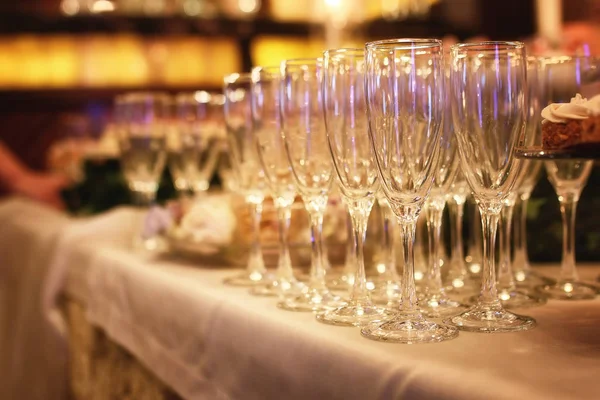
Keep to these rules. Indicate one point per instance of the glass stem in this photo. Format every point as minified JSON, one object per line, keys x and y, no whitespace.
{"x":389,"y":252}
{"x":350,"y":262}
{"x":475,"y":245}
{"x":458,"y":268}
{"x":284,"y":264}
{"x":144,"y":198}
{"x":521,"y":257}
{"x":359,"y":211}
{"x":489,"y":224}
{"x":568,"y":209}
{"x":317,"y":270}
{"x":409,"y":304}
{"x":435,"y":212}
{"x":506,"y":280}
{"x":256,"y":263}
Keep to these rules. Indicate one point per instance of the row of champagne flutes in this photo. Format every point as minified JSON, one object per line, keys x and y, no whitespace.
{"x":376,"y":122}
{"x":303,"y":127}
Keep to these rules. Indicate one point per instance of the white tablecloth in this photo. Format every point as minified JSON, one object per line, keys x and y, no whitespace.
{"x":32,"y":350}
{"x":209,"y":341}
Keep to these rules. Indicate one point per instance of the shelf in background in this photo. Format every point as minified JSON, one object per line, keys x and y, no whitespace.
{"x":26,"y":23}
{"x":73,"y":99}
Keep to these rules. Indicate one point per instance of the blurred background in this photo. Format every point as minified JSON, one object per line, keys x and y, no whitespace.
{"x":62,"y":62}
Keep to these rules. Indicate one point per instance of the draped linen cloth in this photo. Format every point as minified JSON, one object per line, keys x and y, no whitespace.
{"x":204,"y":340}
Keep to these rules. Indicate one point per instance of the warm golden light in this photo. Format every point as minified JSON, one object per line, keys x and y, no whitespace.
{"x":61,"y":61}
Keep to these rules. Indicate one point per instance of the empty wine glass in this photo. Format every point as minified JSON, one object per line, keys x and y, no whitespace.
{"x":561,"y":78}
{"x":405,"y":97}
{"x":144,"y":120}
{"x":489,"y":98}
{"x":250,"y":179}
{"x":194,"y":155}
{"x":346,"y":126}
{"x":509,"y":294}
{"x":266,"y":112}
{"x":434,"y":300}
{"x":305,"y":140}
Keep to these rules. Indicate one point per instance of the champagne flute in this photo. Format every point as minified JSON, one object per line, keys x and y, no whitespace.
{"x":346,"y":126}
{"x":509,"y":295}
{"x":266,"y":113}
{"x":193,"y":158}
{"x":145,"y":119}
{"x":489,"y":98}
{"x":561,"y":78}
{"x":305,"y":143}
{"x":405,"y":97}
{"x":434,"y":300}
{"x":250,"y":179}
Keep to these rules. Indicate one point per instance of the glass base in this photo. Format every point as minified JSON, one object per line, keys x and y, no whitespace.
{"x":408,"y":330}
{"x":278,"y":287}
{"x":388,"y":292}
{"x":342,"y":282}
{"x":570,"y":290}
{"x":155,"y":244}
{"x":490,"y":319}
{"x":462,"y":286}
{"x":353,"y":315}
{"x":311,"y":300}
{"x":519,"y":299}
{"x":248,"y":279}
{"x":531,"y":279}
{"x":439,"y":306}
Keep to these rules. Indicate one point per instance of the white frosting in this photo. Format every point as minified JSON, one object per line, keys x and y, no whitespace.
{"x":562,"y":112}
{"x":579,"y":108}
{"x":593,"y":105}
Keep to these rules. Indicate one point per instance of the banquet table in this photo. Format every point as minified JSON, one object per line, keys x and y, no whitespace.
{"x":200,"y":339}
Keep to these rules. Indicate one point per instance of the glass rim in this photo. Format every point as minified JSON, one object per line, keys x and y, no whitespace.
{"x":260,"y":68}
{"x":298,"y":62}
{"x":198,"y":96}
{"x":557,"y":59}
{"x":405,"y":44}
{"x":145,"y":96}
{"x":490,"y":46}
{"x":272,"y":71}
{"x":237,"y":77}
{"x":342,"y":50}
